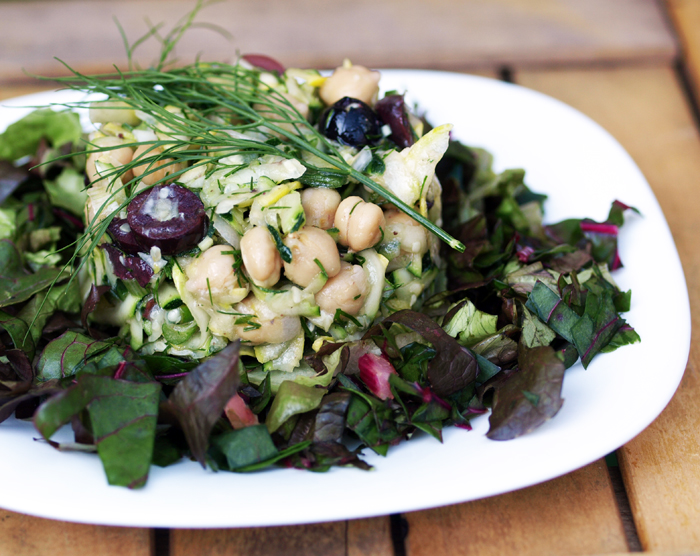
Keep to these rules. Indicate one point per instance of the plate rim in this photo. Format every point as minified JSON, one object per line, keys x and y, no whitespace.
{"x":359,"y":513}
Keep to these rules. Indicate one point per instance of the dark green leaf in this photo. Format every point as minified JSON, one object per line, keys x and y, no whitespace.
{"x":548,"y":306}
{"x":245,"y":446}
{"x":597,"y":326}
{"x":372,"y":423}
{"x":324,"y":177}
{"x":284,"y":251}
{"x":16,"y":283}
{"x":65,"y":355}
{"x":625,"y":336}
{"x":123,"y":417}
{"x":414,"y":367}
{"x":18,"y":331}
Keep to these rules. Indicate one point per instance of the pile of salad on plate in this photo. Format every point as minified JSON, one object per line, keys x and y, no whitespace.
{"x":248,"y":265}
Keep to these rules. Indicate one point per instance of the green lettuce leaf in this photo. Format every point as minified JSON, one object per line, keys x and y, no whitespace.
{"x":292,"y":399}
{"x":68,"y":191}
{"x":22,"y":137}
{"x":469,"y":325}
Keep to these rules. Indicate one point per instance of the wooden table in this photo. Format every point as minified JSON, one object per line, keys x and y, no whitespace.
{"x":632,"y":65}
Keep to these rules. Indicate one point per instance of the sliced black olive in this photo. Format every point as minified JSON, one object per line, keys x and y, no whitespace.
{"x":169,"y":217}
{"x":392,"y":111}
{"x":122,"y":235}
{"x":128,"y":267}
{"x":351,"y":122}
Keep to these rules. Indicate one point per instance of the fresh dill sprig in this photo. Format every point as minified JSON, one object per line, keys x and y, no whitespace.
{"x":212,"y":106}
{"x":215,"y":105}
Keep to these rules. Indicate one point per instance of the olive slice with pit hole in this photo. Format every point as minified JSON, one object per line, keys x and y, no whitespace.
{"x":169,"y":217}
{"x":122,"y":235}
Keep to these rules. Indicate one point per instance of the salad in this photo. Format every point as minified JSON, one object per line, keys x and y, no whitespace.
{"x":251,"y":265}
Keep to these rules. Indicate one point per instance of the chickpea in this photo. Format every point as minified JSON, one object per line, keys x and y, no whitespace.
{"x":274,"y":328}
{"x":113,"y":111}
{"x":345,"y":291}
{"x":308,"y":244}
{"x":261,"y":257}
{"x":320,"y":204}
{"x":359,"y":224}
{"x":350,"y":81}
{"x":413,"y":237}
{"x":213,"y":274}
{"x":153,"y":171}
{"x":116,"y":157}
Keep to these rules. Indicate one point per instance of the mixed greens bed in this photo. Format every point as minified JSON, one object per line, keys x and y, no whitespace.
{"x":249,"y":265}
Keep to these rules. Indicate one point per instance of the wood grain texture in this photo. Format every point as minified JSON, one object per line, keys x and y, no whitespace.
{"x":363,"y":537}
{"x":23,"y":535}
{"x":685,"y":15}
{"x":646,"y":111}
{"x":320,"y":33}
{"x":573,"y":515}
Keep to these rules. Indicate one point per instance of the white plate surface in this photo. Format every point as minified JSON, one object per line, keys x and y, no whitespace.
{"x":582,"y":169}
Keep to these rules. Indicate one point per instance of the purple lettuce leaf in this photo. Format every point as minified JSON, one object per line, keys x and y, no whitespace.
{"x":199,"y":399}
{"x":10,"y":401}
{"x":89,"y":305}
{"x":10,"y":178}
{"x":321,"y":456}
{"x":528,"y":397}
{"x":453,"y":367}
{"x":329,"y":422}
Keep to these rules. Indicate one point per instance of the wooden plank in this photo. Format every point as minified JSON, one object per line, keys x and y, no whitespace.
{"x":647,"y":112}
{"x":686,"y":18}
{"x":352,"y":538}
{"x":575,"y":514}
{"x":320,"y":33}
{"x":23,"y":535}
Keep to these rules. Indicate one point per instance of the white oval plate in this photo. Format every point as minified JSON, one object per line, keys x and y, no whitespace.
{"x":582,"y":169}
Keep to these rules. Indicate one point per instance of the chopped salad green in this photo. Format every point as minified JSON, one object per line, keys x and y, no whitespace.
{"x":246,"y":265}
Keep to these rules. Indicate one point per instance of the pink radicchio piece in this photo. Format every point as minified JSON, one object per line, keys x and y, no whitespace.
{"x":265,"y":63}
{"x":239,"y":414}
{"x":374,"y":372}
{"x":594,"y":227}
